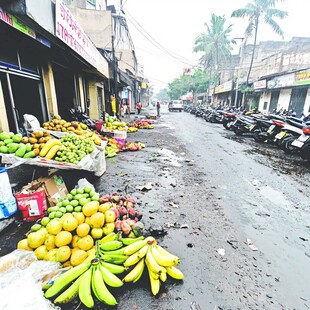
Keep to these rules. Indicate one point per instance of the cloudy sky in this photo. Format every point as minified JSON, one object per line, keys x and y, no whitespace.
{"x":163,"y":31}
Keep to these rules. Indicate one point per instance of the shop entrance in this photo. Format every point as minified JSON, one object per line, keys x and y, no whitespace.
{"x":65,"y":91}
{"x":298,"y":99}
{"x":21,"y":96}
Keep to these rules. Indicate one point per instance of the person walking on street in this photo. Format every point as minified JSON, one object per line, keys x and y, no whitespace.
{"x":158,"y":108}
{"x":138,"y":106}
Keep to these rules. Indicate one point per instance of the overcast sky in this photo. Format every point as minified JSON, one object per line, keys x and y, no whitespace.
{"x":163,"y":31}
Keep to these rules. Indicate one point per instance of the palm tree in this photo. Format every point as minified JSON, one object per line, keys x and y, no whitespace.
{"x":254,"y":12}
{"x":215,"y":44}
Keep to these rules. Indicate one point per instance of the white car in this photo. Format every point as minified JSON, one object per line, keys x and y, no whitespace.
{"x":175,"y":105}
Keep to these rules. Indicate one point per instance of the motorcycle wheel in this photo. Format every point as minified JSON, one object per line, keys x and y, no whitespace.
{"x":237,"y":131}
{"x":257,"y":137}
{"x":289,"y":148}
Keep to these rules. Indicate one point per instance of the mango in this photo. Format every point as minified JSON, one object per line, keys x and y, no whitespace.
{"x":4,"y":136}
{"x":12,"y":147}
{"x":8,"y":141}
{"x":30,"y":154}
{"x":33,"y":140}
{"x":21,"y":151}
{"x":17,"y":138}
{"x":3,"y":149}
{"x":28,"y":147}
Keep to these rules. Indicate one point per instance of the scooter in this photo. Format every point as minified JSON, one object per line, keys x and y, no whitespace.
{"x":302,"y":143}
{"x":243,"y":124}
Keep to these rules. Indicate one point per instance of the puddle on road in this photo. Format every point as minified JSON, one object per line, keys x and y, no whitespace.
{"x":170,"y":157}
{"x":274,"y":196}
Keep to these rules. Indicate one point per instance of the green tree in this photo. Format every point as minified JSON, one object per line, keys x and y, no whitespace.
{"x":255,"y":12}
{"x":195,"y":83}
{"x":215,"y":45}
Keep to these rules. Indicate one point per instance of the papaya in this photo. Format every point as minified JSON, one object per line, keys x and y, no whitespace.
{"x":12,"y":147}
{"x":21,"y":151}
{"x":3,"y":149}
{"x":30,"y":154}
{"x":17,"y":138}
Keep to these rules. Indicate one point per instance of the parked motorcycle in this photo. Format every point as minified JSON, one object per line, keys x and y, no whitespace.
{"x":228,"y":119}
{"x":79,"y":115}
{"x":302,"y":143}
{"x":243,"y":124}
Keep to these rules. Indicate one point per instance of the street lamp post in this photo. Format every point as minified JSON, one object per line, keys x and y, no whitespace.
{"x":238,"y":72}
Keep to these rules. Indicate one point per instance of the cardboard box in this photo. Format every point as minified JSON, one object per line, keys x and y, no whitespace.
{"x":54,"y":187}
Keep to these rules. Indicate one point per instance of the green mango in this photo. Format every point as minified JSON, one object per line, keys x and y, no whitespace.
{"x":30,"y":154}
{"x":8,"y":141}
{"x":17,"y":138}
{"x":28,"y":147}
{"x":21,"y":151}
{"x":12,"y":147}
{"x":3,"y":149}
{"x":4,"y":136}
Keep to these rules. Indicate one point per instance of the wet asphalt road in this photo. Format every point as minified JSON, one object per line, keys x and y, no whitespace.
{"x":212,"y":190}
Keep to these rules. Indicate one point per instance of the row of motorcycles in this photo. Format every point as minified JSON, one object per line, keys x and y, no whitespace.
{"x":283,"y":129}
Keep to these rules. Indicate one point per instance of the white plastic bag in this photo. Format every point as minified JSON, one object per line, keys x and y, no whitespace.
{"x":31,"y":123}
{"x":21,"y":281}
{"x":83,"y":182}
{"x":8,"y":204}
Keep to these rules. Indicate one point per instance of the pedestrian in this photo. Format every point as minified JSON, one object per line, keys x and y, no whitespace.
{"x":139,"y":107}
{"x":158,"y":108}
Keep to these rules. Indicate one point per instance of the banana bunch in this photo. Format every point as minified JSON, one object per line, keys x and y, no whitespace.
{"x":87,"y":279}
{"x":158,"y":261}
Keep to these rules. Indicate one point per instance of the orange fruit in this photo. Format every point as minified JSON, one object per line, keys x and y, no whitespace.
{"x":86,"y":243}
{"x":54,"y":227}
{"x":23,"y":245}
{"x":97,"y":233}
{"x":63,"y":254}
{"x":82,"y":230}
{"x":63,"y":238}
{"x":90,"y":208}
{"x":70,"y":223}
{"x":97,"y":220}
{"x":79,"y":216}
{"x":78,"y":257}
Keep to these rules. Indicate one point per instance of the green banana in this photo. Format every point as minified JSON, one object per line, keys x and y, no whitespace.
{"x":111,"y":245}
{"x":135,"y":274}
{"x":85,"y":289}
{"x":128,"y":241}
{"x":110,"y":278}
{"x":114,"y":259}
{"x":100,"y":290}
{"x":62,"y":281}
{"x":115,"y":252}
{"x":134,"y":247}
{"x":110,"y":237}
{"x":70,"y":293}
{"x":116,"y":269}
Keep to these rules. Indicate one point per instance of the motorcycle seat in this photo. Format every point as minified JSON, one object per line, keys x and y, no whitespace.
{"x":296,"y":124}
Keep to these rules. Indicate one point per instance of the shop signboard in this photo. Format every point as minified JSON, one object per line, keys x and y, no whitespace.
{"x":282,"y":81}
{"x":15,"y":23}
{"x":72,"y":34}
{"x":302,"y":77}
{"x":222,"y":88}
{"x":260,"y":84}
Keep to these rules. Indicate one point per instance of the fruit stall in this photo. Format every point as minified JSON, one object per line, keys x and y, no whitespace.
{"x":57,"y":144}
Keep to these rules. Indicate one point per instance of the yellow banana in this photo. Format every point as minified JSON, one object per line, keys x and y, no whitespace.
{"x":114,"y":252}
{"x":142,"y":252}
{"x":153,"y":265}
{"x":155,"y":285}
{"x":164,"y":260}
{"x":111,"y":245}
{"x":165,"y":252}
{"x":62,"y":281}
{"x":163,"y":276}
{"x":70,"y":293}
{"x":110,"y":237}
{"x":132,"y":260}
{"x":116,"y":269}
{"x":48,"y":145}
{"x":100,"y":290}
{"x":134,"y":247}
{"x":110,"y":278}
{"x":85,"y":289}
{"x":135,"y":273}
{"x":151,"y":273}
{"x":174,"y":272}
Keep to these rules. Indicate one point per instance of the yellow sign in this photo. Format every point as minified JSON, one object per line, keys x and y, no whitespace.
{"x":143,"y":85}
{"x":113,"y":104}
